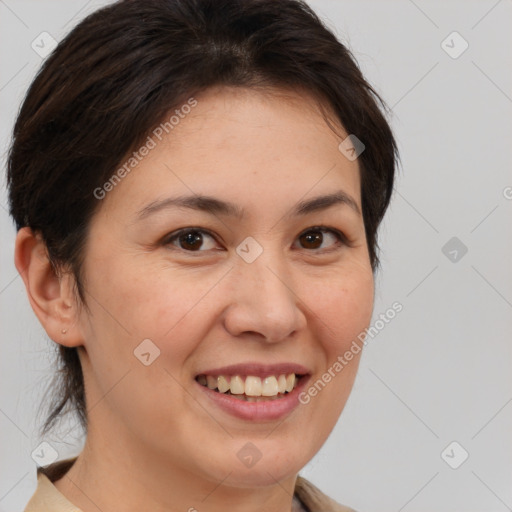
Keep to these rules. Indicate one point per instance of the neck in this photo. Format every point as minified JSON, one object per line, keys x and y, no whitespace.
{"x":114,"y":473}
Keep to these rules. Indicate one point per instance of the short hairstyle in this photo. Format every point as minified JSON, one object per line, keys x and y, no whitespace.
{"x":122,"y":69}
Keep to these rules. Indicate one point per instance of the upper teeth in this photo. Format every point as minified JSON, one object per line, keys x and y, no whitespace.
{"x":250,"y":385}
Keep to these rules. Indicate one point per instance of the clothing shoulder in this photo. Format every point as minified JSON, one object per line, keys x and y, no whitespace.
{"x":315,"y":500}
{"x":47,"y":497}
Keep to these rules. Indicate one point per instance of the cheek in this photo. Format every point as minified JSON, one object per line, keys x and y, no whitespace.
{"x":343,"y":306}
{"x":131,"y":305}
{"x":146,"y":300}
{"x":172,"y":308}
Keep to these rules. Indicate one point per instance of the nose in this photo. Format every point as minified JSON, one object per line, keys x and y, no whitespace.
{"x":263,"y":300}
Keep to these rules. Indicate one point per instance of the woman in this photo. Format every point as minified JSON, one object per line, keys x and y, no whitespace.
{"x":197,"y":187}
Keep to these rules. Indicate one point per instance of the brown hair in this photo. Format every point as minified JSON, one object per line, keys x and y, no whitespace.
{"x":118,"y":73}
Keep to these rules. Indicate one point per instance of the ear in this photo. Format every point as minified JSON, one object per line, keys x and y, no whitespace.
{"x":50,"y":296}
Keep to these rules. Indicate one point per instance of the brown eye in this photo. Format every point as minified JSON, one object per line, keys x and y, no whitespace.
{"x":191,"y":240}
{"x":315,"y":237}
{"x":312,"y":239}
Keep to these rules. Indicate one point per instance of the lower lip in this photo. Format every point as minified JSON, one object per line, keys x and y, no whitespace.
{"x":257,"y":411}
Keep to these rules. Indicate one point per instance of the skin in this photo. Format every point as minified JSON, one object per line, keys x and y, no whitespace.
{"x":154,"y":441}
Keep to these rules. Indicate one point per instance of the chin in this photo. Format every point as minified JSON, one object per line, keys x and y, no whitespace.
{"x":262,"y":462}
{"x":262,"y":474}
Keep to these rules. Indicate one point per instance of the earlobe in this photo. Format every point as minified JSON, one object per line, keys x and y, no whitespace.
{"x":50,"y":295}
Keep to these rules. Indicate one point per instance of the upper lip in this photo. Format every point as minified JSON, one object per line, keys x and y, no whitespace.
{"x":257,"y":369}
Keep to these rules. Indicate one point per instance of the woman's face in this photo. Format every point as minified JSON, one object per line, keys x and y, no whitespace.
{"x":247,"y":298}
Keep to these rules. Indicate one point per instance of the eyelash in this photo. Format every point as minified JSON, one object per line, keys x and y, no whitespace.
{"x":341,"y":238}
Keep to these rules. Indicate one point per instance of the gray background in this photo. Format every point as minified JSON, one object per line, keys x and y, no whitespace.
{"x":441,"y":370}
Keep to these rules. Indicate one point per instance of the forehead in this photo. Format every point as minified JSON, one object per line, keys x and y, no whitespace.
{"x":242,"y":143}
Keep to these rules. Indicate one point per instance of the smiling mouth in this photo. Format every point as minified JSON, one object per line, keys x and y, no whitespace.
{"x":251,"y":388}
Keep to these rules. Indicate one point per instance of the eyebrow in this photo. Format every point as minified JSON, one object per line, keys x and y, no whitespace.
{"x":216,"y":206}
